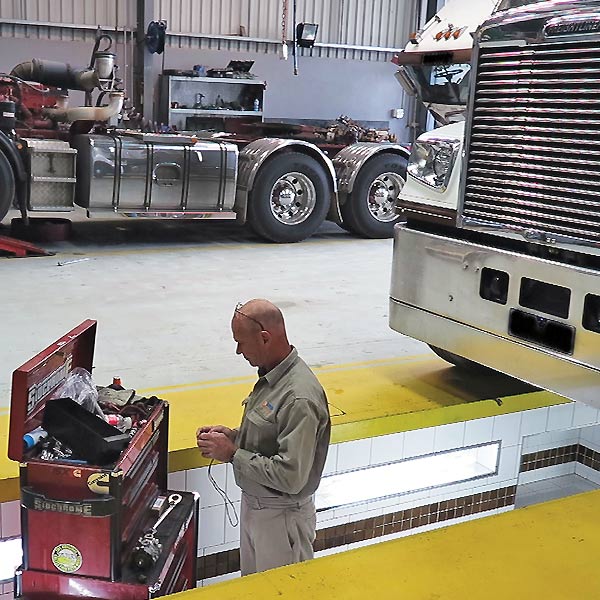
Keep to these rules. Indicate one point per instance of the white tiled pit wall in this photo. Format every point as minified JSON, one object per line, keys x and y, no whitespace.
{"x":519,"y":433}
{"x":590,"y":437}
{"x":583,"y":429}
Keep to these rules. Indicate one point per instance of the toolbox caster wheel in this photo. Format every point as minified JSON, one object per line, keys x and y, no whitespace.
{"x":41,"y":229}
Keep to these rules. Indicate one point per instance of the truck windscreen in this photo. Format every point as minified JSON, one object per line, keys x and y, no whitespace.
{"x":441,"y":84}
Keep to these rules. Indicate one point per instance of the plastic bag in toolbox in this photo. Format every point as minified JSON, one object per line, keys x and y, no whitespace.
{"x":80,"y":387}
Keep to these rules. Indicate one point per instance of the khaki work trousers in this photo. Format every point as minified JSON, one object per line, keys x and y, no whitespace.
{"x":272,"y":536}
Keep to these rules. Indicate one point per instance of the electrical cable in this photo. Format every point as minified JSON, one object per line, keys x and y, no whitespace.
{"x":228,"y":503}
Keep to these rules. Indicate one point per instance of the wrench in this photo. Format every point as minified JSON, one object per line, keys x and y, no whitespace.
{"x":174,"y":500}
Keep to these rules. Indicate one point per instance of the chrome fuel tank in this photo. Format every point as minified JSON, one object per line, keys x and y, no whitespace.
{"x":154,"y":173}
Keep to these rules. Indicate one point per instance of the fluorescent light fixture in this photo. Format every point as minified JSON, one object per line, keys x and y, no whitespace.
{"x":11,"y":556}
{"x":407,"y":476}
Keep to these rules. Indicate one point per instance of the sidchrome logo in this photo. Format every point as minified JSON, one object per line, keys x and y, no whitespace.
{"x":577,"y":26}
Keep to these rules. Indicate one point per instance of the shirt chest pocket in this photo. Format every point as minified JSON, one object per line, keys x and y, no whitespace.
{"x":262,"y":433}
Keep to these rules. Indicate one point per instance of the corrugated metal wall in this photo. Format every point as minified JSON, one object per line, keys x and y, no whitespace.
{"x":374,"y":23}
{"x":377,"y":23}
{"x":108,"y":13}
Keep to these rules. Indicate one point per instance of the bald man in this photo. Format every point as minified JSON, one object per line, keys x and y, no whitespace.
{"x":279,"y":450}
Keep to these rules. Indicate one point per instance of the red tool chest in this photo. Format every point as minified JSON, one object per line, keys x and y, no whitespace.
{"x":82,"y":523}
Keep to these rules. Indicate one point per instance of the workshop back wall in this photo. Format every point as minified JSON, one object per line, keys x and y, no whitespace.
{"x":359,"y":84}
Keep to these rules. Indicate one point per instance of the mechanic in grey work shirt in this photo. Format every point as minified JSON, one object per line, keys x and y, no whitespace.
{"x":279,"y":450}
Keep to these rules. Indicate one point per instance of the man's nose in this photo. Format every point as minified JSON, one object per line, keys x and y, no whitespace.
{"x":237,"y":349}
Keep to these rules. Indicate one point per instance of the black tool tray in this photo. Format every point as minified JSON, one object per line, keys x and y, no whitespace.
{"x":89,"y":436}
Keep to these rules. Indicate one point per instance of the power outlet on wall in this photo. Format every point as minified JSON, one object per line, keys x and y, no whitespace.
{"x":397,"y":113}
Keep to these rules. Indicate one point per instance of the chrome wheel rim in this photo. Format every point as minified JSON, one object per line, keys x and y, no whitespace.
{"x":383,"y":195}
{"x":293,"y":198}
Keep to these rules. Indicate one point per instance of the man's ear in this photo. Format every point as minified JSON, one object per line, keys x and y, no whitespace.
{"x":266,"y":336}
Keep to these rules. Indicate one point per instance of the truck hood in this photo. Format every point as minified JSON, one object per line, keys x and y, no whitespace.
{"x":450,"y":30}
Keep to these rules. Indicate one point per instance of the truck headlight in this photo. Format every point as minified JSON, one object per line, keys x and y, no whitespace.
{"x":431,"y":162}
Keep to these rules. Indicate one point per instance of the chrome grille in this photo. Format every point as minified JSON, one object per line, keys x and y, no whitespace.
{"x":534,"y":154}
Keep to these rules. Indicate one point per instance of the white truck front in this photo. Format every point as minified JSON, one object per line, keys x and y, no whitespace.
{"x":509,"y":276}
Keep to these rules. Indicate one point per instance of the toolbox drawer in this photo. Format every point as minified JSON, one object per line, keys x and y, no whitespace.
{"x":175,"y":571}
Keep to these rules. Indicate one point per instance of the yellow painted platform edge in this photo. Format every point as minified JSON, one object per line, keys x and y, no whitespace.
{"x":190,"y":458}
{"x":10,"y":489}
{"x":358,"y":430}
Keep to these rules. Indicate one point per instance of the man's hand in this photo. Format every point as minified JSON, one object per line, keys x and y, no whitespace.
{"x":230,"y":433}
{"x":216,"y":444}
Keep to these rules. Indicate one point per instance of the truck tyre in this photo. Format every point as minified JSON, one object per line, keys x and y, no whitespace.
{"x":370,"y":211}
{"x":290,"y":198}
{"x":460,"y":361}
{"x":7,"y":186}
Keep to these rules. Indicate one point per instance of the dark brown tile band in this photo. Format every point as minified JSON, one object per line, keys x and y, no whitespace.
{"x":418,"y":516}
{"x":559,"y":456}
{"x":221,"y":563}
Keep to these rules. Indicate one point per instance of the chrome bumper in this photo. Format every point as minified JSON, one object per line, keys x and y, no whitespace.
{"x":435,"y":297}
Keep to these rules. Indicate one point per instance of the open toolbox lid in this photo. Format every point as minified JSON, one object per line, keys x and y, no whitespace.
{"x":34,"y":382}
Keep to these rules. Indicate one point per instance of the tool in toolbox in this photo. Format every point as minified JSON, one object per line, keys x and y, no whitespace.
{"x":148,"y":548}
{"x":81,"y":520}
{"x":174,"y":500}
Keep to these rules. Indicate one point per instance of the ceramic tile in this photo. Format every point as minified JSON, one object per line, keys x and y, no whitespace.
{"x":564,"y":437}
{"x":220,"y":548}
{"x":560,"y":416}
{"x":534,"y":421}
{"x":331,"y":462}
{"x":11,"y":519}
{"x":329,"y":519}
{"x":354,"y":512}
{"x":212,"y":526}
{"x":8,"y":588}
{"x":590,"y":437}
{"x":584,"y":415}
{"x":197,"y":481}
{"x":354,"y":455}
{"x":232,"y":529}
{"x":587,"y":473}
{"x":510,"y":460}
{"x":220,"y":578}
{"x":508,"y":429}
{"x":448,"y":437}
{"x":176,"y":480}
{"x":418,"y":442}
{"x":479,"y":431}
{"x":234,"y":493}
{"x":387,"y":448}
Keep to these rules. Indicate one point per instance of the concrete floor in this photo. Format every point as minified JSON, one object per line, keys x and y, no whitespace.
{"x":163,"y":294}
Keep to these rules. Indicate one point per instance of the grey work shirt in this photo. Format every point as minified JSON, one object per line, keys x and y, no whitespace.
{"x":284,"y":435}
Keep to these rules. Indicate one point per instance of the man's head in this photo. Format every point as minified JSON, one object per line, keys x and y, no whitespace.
{"x":259,"y":331}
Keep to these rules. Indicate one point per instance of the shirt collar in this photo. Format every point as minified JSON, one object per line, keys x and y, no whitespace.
{"x":276,"y":373}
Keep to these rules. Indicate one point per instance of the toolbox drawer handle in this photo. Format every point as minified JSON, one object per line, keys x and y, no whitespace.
{"x":93,"y":507}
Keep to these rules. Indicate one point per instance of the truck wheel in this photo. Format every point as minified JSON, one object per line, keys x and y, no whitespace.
{"x":7,"y":186}
{"x":460,"y":361}
{"x":290,"y":198}
{"x":370,"y":211}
